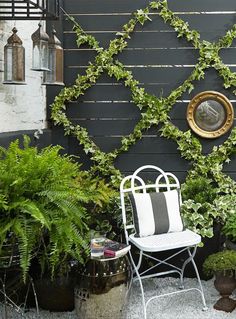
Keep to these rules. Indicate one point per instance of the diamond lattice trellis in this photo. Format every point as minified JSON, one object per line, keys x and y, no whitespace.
{"x":155,"y":110}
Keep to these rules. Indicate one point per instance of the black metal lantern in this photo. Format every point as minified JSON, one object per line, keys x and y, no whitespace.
{"x":14,"y":60}
{"x":55,"y":75}
{"x":40,"y":50}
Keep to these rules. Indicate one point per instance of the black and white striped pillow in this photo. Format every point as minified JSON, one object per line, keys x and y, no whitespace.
{"x":156,"y":213}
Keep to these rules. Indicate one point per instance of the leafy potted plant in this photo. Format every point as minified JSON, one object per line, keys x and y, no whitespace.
{"x":223,"y":266}
{"x":43,"y":204}
{"x":198,"y":209}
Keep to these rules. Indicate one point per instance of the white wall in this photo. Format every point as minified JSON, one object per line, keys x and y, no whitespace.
{"x":22,"y":107}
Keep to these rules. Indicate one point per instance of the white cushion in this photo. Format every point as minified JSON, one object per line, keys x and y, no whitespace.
{"x":166,"y":241}
{"x":156,"y":213}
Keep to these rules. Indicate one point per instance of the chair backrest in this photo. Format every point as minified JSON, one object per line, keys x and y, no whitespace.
{"x":134,"y":183}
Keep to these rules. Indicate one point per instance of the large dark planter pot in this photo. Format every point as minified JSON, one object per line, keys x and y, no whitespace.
{"x":210,"y":246}
{"x":225,"y":284}
{"x":56,"y":295}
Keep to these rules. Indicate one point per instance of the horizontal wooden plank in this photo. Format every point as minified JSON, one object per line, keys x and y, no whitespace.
{"x":165,"y":89}
{"x":103,"y":110}
{"x":115,"y":110}
{"x":150,"y":39}
{"x":130,"y":162}
{"x":110,"y":92}
{"x":144,"y":39}
{"x":205,"y":85}
{"x":109,"y":6}
{"x":179,"y":110}
{"x":107,"y":127}
{"x":145,"y":74}
{"x":148,"y":144}
{"x":201,"y":5}
{"x":138,"y":57}
{"x":159,"y":56}
{"x":79,"y":57}
{"x":114,"y":23}
{"x":228,"y":55}
{"x":107,"y":93}
{"x":103,"y":6}
{"x":216,"y":23}
{"x":154,"y":145}
{"x":150,"y":74}
{"x":120,"y":127}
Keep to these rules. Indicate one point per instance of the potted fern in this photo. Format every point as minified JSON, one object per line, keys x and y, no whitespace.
{"x":43,"y":207}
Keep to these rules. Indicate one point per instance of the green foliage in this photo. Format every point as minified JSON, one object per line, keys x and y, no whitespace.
{"x":229,"y":228}
{"x":223,"y":261}
{"x":199,"y":217}
{"x":43,"y":198}
{"x":204,"y":204}
{"x":200,"y":189}
{"x":103,"y":214}
{"x":108,"y":219}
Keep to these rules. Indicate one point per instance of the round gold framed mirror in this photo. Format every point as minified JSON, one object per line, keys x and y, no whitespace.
{"x":210,"y":114}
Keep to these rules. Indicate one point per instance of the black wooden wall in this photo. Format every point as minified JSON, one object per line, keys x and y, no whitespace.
{"x":158,"y":59}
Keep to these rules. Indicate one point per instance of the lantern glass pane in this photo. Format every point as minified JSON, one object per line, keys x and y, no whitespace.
{"x":14,"y":64}
{"x":40,"y":56}
{"x":55,"y":75}
{"x":8,"y":64}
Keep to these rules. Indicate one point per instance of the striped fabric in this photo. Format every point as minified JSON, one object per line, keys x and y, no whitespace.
{"x":156,"y":213}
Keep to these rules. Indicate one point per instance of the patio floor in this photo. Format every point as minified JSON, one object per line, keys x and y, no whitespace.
{"x":181,"y":306}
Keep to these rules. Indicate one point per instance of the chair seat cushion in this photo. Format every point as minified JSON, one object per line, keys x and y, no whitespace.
{"x":166,"y":241}
{"x":156,"y":213}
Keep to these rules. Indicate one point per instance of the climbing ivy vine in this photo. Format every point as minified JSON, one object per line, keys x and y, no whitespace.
{"x":154,"y":110}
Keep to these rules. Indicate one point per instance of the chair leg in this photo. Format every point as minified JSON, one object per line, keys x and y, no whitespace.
{"x":140,"y":282}
{"x":200,"y":284}
{"x":191,"y":256}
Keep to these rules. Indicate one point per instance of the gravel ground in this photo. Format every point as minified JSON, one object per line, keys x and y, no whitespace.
{"x":181,"y":306}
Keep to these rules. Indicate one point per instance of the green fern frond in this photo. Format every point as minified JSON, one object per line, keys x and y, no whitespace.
{"x":27,"y":235}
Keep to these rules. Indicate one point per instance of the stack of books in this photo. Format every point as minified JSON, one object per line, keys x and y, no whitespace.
{"x":115,"y":249}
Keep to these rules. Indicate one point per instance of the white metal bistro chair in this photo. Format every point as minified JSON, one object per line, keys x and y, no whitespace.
{"x":156,"y":226}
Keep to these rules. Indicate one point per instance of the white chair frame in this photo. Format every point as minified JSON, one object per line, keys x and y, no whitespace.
{"x":185,"y":240}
